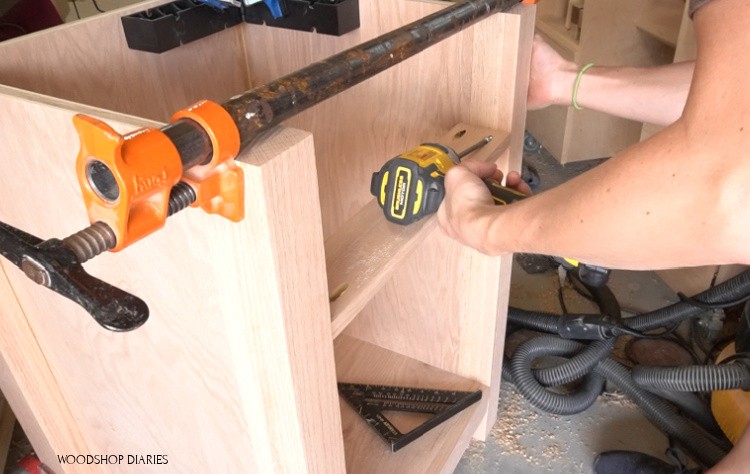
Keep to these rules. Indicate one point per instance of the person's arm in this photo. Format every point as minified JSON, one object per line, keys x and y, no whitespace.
{"x":680,"y":198}
{"x":737,"y":459}
{"x":645,"y":94}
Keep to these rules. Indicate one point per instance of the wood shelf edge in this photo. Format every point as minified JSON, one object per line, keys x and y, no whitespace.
{"x":555,"y":30}
{"x":362,"y":255}
{"x":438,"y":450}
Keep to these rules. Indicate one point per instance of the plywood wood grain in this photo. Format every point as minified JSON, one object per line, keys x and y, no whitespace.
{"x":88,"y":61}
{"x":358,"y":130}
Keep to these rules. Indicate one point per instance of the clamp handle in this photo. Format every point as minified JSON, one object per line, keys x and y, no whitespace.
{"x":53,"y":264}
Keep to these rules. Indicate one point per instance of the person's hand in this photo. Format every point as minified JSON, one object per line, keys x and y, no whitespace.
{"x":465,"y":213}
{"x":552,"y":77}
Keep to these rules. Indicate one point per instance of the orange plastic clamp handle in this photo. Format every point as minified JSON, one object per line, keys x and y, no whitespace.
{"x":126,"y":180}
{"x":529,"y":1}
{"x":219,"y":184}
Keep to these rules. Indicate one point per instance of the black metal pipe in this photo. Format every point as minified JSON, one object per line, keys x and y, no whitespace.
{"x":268,"y":105}
{"x":191,"y":140}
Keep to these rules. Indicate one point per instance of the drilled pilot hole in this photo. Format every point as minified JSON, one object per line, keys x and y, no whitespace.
{"x":459,"y":134}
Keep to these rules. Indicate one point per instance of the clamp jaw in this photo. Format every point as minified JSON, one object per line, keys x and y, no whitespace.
{"x":131,"y":183}
{"x":127,"y":180}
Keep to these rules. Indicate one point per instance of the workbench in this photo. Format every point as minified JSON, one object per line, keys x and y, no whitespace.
{"x":252,"y":323}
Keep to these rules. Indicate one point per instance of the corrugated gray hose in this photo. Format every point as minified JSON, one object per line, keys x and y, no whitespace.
{"x":701,"y":378}
{"x":572,"y":369}
{"x":659,"y":412}
{"x":586,"y":360}
{"x":542,"y":397}
{"x":733,"y":289}
{"x":662,"y":414}
{"x":582,"y":363}
{"x":697,"y":411}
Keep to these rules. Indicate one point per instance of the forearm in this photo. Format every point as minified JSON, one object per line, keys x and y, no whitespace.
{"x":660,"y":204}
{"x":653,"y":95}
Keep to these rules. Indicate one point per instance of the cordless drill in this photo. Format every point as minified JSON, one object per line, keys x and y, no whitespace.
{"x":411,"y":185}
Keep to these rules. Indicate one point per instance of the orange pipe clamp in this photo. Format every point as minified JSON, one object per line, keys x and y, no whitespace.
{"x":126,"y":179}
{"x":219,"y":184}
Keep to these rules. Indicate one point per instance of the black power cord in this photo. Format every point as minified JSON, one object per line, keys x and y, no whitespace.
{"x":96,"y":5}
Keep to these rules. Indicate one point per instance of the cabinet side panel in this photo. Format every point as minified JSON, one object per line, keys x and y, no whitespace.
{"x":500,"y":98}
{"x":158,"y":390}
{"x":219,"y":378}
{"x":287,"y":337}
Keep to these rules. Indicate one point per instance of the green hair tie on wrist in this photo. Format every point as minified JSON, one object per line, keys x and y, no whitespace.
{"x":577,"y":84}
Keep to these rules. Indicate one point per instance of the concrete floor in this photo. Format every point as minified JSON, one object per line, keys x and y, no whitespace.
{"x":526,"y":440}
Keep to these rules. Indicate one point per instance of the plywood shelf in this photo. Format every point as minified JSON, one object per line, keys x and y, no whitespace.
{"x":358,"y":361}
{"x":554,"y":28}
{"x":362,"y":255}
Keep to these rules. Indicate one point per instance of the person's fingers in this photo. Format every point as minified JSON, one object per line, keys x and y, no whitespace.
{"x":516,"y":182}
{"x":480,"y":168}
{"x":484,"y":170}
{"x":462,"y":186}
{"x":458,"y":176}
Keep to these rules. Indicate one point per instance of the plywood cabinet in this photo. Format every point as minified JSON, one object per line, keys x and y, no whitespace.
{"x":608,"y":33}
{"x":252,"y":323}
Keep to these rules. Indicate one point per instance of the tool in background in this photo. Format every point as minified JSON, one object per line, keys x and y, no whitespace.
{"x":411,"y":185}
{"x":371,"y":400}
{"x":29,"y":464}
{"x":170,"y":25}
{"x":130,"y":190}
{"x":591,"y":275}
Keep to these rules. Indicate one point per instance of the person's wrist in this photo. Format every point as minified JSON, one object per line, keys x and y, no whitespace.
{"x":485,"y":223}
{"x":564,"y":83}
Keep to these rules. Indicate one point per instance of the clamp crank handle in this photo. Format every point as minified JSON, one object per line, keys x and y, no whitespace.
{"x":51,"y":263}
